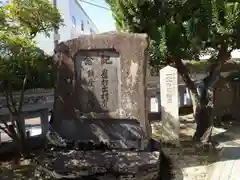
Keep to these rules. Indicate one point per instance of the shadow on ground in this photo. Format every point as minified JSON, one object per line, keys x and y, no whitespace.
{"x":228,"y":138}
{"x":227,"y":133}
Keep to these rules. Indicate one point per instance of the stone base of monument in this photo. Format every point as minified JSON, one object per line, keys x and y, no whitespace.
{"x":109,"y":165}
{"x":122,"y":152}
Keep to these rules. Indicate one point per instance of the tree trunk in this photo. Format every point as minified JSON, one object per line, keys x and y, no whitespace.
{"x":184,"y":72}
{"x":56,"y":81}
{"x":195,"y":102}
{"x":201,"y":109}
{"x":204,"y":118}
{"x":17,"y":129}
{"x":203,"y":104}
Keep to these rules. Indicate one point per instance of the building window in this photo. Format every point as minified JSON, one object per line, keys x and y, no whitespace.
{"x":92,"y":31}
{"x":74,"y":22}
{"x":82,"y":26}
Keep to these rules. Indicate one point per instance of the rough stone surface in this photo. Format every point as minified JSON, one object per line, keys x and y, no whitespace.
{"x":120,"y":134}
{"x":84,"y":158}
{"x":101,"y":165}
{"x":84,"y":89}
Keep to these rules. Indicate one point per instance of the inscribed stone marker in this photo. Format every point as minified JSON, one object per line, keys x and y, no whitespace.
{"x":98,"y":81}
{"x":169,"y":103}
{"x":102,"y":76}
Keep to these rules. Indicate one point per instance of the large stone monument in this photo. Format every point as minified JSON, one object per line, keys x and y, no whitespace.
{"x":100,"y":103}
{"x":169,"y":104}
{"x":101,"y":77}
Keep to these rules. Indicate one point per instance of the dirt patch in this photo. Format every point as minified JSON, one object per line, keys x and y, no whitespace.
{"x":187,"y":162}
{"x":23,"y":171}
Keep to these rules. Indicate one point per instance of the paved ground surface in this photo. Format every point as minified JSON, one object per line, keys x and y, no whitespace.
{"x":228,"y":166}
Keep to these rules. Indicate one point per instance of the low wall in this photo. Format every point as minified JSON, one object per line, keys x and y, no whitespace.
{"x":156,"y":116}
{"x":33,"y":100}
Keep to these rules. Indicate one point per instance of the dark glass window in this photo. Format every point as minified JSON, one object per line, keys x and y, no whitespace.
{"x":82,"y":25}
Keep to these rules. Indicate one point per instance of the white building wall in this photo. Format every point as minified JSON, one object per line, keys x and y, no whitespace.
{"x":83,"y":25}
{"x":64,"y":31}
{"x":69,"y":10}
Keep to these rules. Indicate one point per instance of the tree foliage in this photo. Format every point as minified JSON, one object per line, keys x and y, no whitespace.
{"x":20,"y":22}
{"x":184,"y":29}
{"x":22,"y":63}
{"x":19,"y":57}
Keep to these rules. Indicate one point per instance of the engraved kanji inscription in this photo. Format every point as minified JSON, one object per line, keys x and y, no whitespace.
{"x":88,"y":60}
{"x":105,"y":59}
{"x":104,"y":87}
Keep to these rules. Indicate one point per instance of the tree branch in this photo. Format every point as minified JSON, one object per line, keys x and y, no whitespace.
{"x":215,"y":68}
{"x":6,"y":94}
{"x":22,"y":93}
{"x":5,"y":122}
{"x":11,"y":96}
{"x":184,"y":72}
{"x":4,"y":130}
{"x":19,"y":128}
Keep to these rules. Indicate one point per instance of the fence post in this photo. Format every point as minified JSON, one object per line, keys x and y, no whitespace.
{"x":44,"y":122}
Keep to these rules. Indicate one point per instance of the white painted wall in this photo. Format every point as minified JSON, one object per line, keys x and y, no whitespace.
{"x":84,"y":24}
{"x":68,"y":10}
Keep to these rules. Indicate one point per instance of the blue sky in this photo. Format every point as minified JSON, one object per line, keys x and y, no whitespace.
{"x":101,"y":17}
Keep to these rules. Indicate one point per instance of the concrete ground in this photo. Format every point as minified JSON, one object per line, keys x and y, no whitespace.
{"x":227,"y":168}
